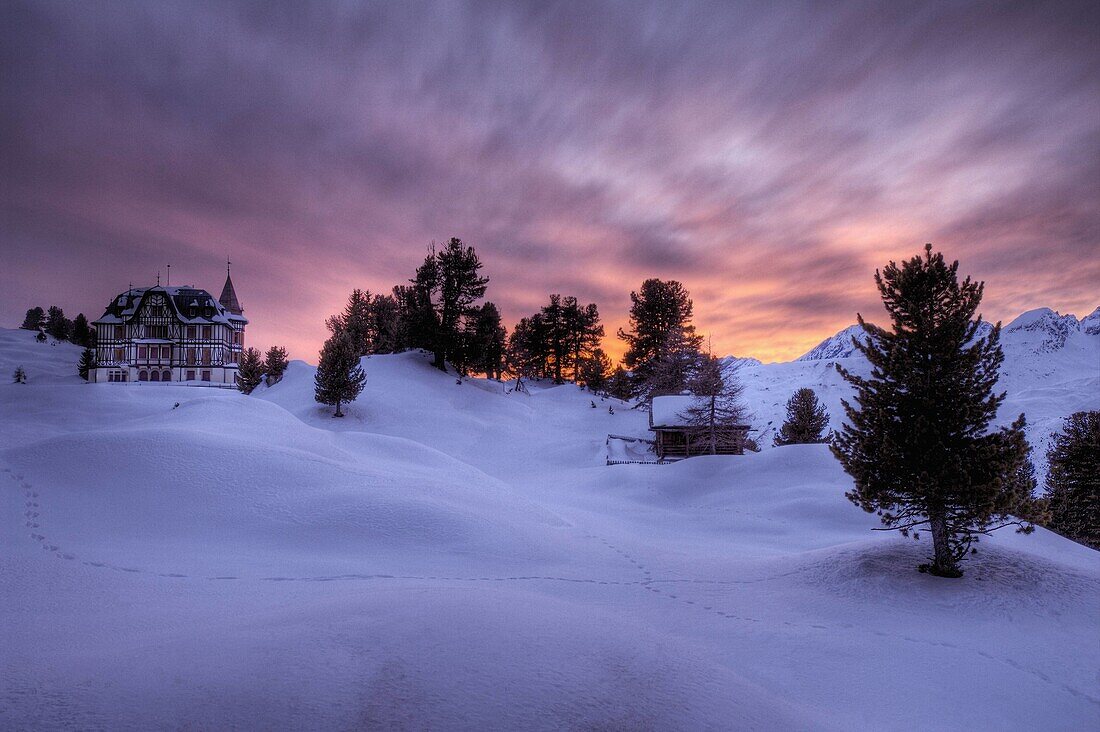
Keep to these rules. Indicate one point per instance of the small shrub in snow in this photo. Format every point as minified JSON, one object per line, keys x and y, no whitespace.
{"x":20,"y":376}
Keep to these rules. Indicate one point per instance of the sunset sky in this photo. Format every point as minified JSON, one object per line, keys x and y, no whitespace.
{"x":768,"y":155}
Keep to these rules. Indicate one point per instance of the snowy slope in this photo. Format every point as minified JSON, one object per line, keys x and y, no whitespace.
{"x":452,"y":556}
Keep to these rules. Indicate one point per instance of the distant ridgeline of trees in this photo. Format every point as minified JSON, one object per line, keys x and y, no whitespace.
{"x":53,"y":323}
{"x":78,"y":331}
{"x":442,"y":311}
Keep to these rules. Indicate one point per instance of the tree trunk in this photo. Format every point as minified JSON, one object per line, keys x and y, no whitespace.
{"x":943,"y":564}
{"x":440,"y":362}
{"x":338,"y":412}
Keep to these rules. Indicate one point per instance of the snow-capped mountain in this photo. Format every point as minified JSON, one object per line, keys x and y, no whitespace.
{"x":836,"y":346}
{"x":1051,"y":369}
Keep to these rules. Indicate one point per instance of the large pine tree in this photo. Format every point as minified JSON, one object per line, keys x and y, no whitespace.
{"x":1073,"y":479}
{"x":917,"y":441}
{"x":250,"y":371}
{"x":485,"y":341}
{"x":34,"y":319}
{"x":445,"y":288}
{"x":806,"y":420}
{"x":57,"y":325}
{"x":662,"y":345}
{"x":340,"y":377}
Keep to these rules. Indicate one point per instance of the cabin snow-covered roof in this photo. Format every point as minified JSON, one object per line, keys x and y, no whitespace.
{"x":672,"y":410}
{"x":189,"y":305}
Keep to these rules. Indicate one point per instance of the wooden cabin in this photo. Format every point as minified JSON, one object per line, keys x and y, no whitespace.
{"x":676,"y":438}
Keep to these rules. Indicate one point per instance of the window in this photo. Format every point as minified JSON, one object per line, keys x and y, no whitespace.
{"x":166,"y":376}
{"x":206,"y":331}
{"x":190,"y":356}
{"x":119,"y":355}
{"x":143,"y":352}
{"x":154,"y":376}
{"x":205,"y":356}
{"x":166,"y":352}
{"x":206,"y":375}
{"x":191,"y":330}
{"x":191,"y":375}
{"x":120,"y":332}
{"x":143,"y":375}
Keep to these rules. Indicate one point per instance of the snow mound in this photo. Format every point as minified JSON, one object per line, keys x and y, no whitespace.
{"x":52,"y":362}
{"x":456,"y":555}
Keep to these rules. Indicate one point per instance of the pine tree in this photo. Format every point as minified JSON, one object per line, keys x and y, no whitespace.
{"x":672,"y":372}
{"x":917,"y":443}
{"x":1073,"y":479}
{"x":87,"y":363}
{"x":446,"y":286}
{"x":619,"y":386}
{"x":717,"y":406}
{"x":57,"y":325}
{"x":250,"y":371}
{"x":527,"y":355}
{"x":806,"y":420}
{"x":486,"y":341}
{"x":20,"y":376}
{"x":662,"y":345}
{"x":82,"y":334}
{"x":34,"y":319}
{"x":389,"y":330}
{"x":340,"y":376}
{"x":595,"y":370}
{"x":357,"y":321}
{"x":275,"y":363}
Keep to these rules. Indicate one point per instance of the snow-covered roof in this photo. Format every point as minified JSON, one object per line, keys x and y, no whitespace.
{"x":671,"y":410}
{"x":189,"y":305}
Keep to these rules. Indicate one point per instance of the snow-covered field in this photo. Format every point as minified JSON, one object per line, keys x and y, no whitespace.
{"x":451,"y":556}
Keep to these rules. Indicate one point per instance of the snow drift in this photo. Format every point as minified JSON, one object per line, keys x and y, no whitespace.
{"x":454,"y":556}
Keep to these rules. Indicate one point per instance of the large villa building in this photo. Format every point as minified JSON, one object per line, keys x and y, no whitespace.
{"x":170,"y":334}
